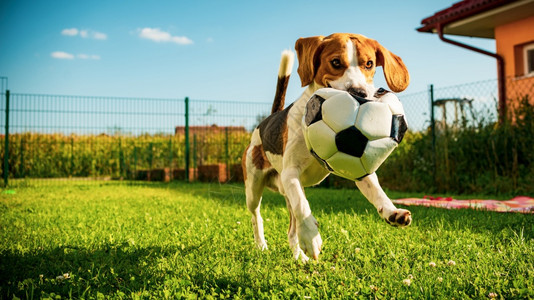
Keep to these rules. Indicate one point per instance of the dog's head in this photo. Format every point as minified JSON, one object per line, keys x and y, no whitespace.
{"x":348,"y":62}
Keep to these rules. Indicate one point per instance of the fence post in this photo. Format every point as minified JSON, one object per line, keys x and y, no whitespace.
{"x":187,"y":139}
{"x":135,"y":163}
{"x":150,"y":155}
{"x":21,"y":167}
{"x":121,"y":160}
{"x":6,"y":149}
{"x":227,"y":153}
{"x":71,"y":156}
{"x":433,"y":129}
{"x":150,"y":160}
{"x":170,"y":157}
{"x":195,"y":164}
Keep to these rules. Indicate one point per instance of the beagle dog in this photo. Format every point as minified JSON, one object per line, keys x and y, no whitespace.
{"x":277,"y":156}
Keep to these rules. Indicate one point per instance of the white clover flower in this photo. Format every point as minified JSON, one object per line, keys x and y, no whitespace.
{"x":407,"y":282}
{"x":63,"y":277}
{"x":492,"y":295}
{"x":451,"y":263}
{"x":432,"y":264}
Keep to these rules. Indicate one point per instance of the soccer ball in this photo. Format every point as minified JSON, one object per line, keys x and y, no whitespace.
{"x":353,"y":136}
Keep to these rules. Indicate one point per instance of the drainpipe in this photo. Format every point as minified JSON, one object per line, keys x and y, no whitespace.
{"x":500,"y":69}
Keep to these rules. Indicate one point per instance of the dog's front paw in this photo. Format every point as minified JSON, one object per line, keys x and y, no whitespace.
{"x":309,"y":238}
{"x":299,"y":254}
{"x":398,"y":217}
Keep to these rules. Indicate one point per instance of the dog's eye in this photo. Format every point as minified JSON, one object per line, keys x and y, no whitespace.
{"x":369,"y":65}
{"x":336,"y":63}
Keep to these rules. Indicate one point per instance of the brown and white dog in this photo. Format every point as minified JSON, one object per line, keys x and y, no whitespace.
{"x":277,"y":156}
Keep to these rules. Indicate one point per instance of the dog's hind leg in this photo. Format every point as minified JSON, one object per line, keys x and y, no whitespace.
{"x":254,"y":186}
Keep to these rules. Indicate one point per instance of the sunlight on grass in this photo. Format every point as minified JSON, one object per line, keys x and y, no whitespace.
{"x":121,"y":240}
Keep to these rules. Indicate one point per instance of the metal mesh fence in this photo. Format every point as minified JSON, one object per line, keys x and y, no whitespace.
{"x":53,"y":136}
{"x":56,"y":136}
{"x":466,"y":104}
{"x":417,"y":108}
{"x":80,"y":115}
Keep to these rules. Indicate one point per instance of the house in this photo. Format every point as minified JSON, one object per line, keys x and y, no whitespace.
{"x":511,"y":24}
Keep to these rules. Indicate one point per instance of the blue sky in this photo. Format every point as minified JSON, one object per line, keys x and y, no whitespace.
{"x":212,"y":50}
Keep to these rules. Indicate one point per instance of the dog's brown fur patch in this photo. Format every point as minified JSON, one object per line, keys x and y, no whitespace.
{"x":259,"y":159}
{"x":273,"y":131}
{"x":280,"y":95}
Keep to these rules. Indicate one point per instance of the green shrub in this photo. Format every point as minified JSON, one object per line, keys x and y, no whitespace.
{"x":480,"y":157}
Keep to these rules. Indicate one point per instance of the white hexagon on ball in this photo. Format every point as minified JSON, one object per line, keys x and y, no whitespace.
{"x":326,"y":93}
{"x":346,"y":166}
{"x":376,"y":152}
{"x":322,"y":139}
{"x":340,"y":111}
{"x":394,"y":103}
{"x":374,"y":120}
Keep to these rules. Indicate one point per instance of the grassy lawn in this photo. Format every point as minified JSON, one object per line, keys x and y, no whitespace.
{"x":119,"y":240}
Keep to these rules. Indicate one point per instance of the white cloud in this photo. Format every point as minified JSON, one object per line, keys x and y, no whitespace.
{"x":99,"y":35}
{"x":62,"y":55}
{"x":87,"y":56}
{"x":70,"y":31}
{"x":85,"y":33}
{"x":156,"y":35}
{"x":69,"y":56}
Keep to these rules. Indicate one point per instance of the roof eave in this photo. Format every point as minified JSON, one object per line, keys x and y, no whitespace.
{"x":458,"y":12}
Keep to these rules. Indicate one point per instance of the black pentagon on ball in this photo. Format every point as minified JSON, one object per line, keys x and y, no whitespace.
{"x":398,"y":128}
{"x":313,"y":110}
{"x":351,"y":141}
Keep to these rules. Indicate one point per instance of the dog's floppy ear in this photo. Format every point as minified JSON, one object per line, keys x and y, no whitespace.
{"x":307,"y":54}
{"x":395,"y":72}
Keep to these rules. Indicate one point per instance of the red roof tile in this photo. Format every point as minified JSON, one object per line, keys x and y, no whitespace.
{"x":459,"y":11}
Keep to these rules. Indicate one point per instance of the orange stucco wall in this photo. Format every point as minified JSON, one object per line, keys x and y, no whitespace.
{"x":509,"y":38}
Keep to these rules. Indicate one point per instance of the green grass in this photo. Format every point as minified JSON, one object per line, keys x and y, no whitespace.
{"x":119,"y":240}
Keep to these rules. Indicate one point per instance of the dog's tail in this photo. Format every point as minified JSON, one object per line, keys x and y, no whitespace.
{"x":286,"y":65}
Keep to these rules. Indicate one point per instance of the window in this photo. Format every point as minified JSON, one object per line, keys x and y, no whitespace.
{"x":528,"y":59}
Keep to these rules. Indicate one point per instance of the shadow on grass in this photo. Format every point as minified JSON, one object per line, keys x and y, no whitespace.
{"x":109,"y":270}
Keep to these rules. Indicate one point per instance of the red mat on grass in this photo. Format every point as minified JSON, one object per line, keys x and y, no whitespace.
{"x":519,"y":204}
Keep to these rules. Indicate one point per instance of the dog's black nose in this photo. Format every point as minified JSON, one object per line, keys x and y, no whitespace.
{"x":357,"y":92}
